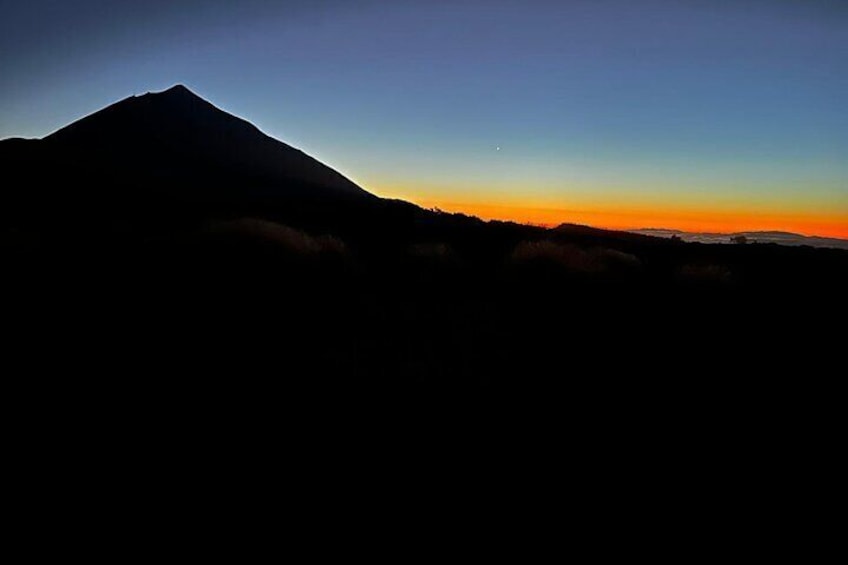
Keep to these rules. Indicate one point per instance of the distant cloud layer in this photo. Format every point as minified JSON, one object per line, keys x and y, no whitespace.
{"x":782,"y":238}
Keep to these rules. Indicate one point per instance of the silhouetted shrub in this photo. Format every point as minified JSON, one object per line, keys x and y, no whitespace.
{"x":433,"y":252}
{"x":284,"y":237}
{"x":704,"y":274}
{"x":615,"y":259}
{"x":572,"y":258}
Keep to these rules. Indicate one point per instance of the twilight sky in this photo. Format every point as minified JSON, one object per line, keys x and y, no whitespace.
{"x":694,"y":114}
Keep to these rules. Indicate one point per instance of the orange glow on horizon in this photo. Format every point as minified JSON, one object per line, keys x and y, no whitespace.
{"x":718,"y":221}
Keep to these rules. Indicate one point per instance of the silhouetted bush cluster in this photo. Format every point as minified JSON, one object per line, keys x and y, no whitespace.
{"x":705,"y":274}
{"x":572,"y":258}
{"x":282,"y":236}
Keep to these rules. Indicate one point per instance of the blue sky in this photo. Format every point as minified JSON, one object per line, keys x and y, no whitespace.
{"x":736,"y":106}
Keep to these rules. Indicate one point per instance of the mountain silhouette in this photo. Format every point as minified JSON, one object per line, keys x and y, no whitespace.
{"x":176,"y":136}
{"x":164,"y":154}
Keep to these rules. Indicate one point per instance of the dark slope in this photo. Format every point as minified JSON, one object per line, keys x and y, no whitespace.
{"x":176,"y":137}
{"x":168,"y":157}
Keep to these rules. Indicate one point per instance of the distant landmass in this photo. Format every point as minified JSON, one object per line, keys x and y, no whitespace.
{"x":779,"y":237}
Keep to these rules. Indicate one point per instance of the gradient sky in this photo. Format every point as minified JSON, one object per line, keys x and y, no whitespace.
{"x":693,"y":114}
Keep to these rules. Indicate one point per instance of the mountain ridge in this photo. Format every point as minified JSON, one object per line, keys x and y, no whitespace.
{"x":194,"y":136}
{"x":170,"y":160}
{"x":173,"y":158}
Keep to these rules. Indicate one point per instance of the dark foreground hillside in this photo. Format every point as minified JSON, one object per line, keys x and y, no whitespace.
{"x":465,"y":311}
{"x":470,"y":364}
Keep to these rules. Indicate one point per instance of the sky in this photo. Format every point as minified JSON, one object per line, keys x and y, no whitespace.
{"x":704,"y":115}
